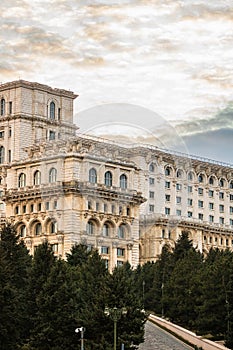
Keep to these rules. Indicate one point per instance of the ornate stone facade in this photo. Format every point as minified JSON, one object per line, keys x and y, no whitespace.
{"x":125,"y":201}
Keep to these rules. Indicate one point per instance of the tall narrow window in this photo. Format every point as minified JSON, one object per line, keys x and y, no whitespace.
{"x":3,"y":107}
{"x":92,"y":176}
{"x":38,"y":229}
{"x":22,"y":180}
{"x":90,"y":228}
{"x":52,"y":110}
{"x":22,"y":231}
{"x":52,"y":175}
{"x":9,"y":155}
{"x":10,"y":107}
{"x":2,"y":153}
{"x":108,"y":178}
{"x":123,"y":181}
{"x":37,"y":177}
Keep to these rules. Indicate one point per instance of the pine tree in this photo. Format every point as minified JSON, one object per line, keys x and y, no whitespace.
{"x":56,"y":317}
{"x":15,"y":263}
{"x":43,"y":262}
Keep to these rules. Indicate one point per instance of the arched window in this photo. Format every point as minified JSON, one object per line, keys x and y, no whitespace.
{"x":179,"y":174}
{"x":221,"y":182}
{"x":92,"y":176}
{"x":22,"y":231}
{"x":190,"y":176}
{"x":168,"y":171}
{"x":37,"y":177}
{"x":22,"y":180}
{"x":3,"y":107}
{"x":53,"y":227}
{"x":200,"y":178}
{"x":2,"y":154}
{"x":152,"y":168}
{"x":52,"y":110}
{"x":231,"y":184}
{"x":38,"y":229}
{"x":123,"y":181}
{"x":121,"y":233}
{"x":52,"y":175}
{"x":90,"y":228}
{"x":211,"y":180}
{"x":108,"y":178}
{"x":106,"y":230}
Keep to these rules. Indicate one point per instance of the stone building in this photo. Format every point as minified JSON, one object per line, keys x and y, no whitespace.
{"x":125,"y":201}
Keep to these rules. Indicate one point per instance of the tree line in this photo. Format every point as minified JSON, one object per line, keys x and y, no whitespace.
{"x":192,"y":290}
{"x":43,"y":299}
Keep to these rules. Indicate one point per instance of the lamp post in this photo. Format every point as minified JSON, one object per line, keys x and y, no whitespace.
{"x":115,"y":315}
{"x":81,"y":330}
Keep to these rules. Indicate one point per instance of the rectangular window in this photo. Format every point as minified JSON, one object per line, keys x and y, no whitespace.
{"x":104,"y":250}
{"x":47,"y":205}
{"x":1,"y":134}
{"x":119,"y":263}
{"x":211,"y":206}
{"x":113,"y":209}
{"x":39,"y":207}
{"x":231,"y":222}
{"x":89,"y":206}
{"x":151,"y":208}
{"x":221,"y":208}
{"x":231,"y":210}
{"x":151,"y":181}
{"x":105,"y":207}
{"x":151,"y":194}
{"x":190,"y":189}
{"x":120,"y":252}
{"x":231,"y":197}
{"x":10,"y":107}
{"x":200,"y":204}
{"x":167,"y":197}
{"x":178,"y":200}
{"x":221,"y":220}
{"x":31,"y":208}
{"x":190,"y":202}
{"x":178,"y":187}
{"x":167,"y":184}
{"x":51,"y":135}
{"x":9,"y":133}
{"x":24,"y":209}
{"x":211,"y":218}
{"x":221,"y":195}
{"x":178,"y":212}
{"x":97,"y":206}
{"x":9,"y":155}
{"x":167,"y":211}
{"x":190,"y":214}
{"x":200,"y":191}
{"x":200,"y":216}
{"x":55,"y":205}
{"x":211,"y":193}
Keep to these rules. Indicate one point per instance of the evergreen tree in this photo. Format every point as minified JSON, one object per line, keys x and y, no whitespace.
{"x":78,"y":255}
{"x":182,"y":246}
{"x":56,"y":317}
{"x":14,"y":266}
{"x":229,"y":306}
{"x":43,"y":262}
{"x":124,"y":296}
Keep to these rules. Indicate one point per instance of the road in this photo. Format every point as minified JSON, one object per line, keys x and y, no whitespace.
{"x":157,"y":339}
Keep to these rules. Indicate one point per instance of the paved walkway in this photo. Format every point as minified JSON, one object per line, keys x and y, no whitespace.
{"x":157,"y":339}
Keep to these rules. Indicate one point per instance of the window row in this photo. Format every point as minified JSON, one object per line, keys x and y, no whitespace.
{"x":3,"y":107}
{"x":109,"y":208}
{"x":108,"y":178}
{"x":36,"y":229}
{"x":37,"y":177}
{"x":31,"y":208}
{"x":108,"y":229}
{"x":201,"y":178}
{"x":217,"y":240}
{"x":106,"y":250}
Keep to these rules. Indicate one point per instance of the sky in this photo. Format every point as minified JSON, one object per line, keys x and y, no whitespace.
{"x":157,"y":71}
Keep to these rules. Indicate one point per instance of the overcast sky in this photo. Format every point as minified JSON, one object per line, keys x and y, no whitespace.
{"x":162,"y":61}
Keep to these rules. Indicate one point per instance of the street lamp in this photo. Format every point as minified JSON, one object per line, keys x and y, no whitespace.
{"x":115,"y":314}
{"x":81,"y":330}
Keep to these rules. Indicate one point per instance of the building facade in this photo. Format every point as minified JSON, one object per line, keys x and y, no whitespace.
{"x":125,"y":201}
